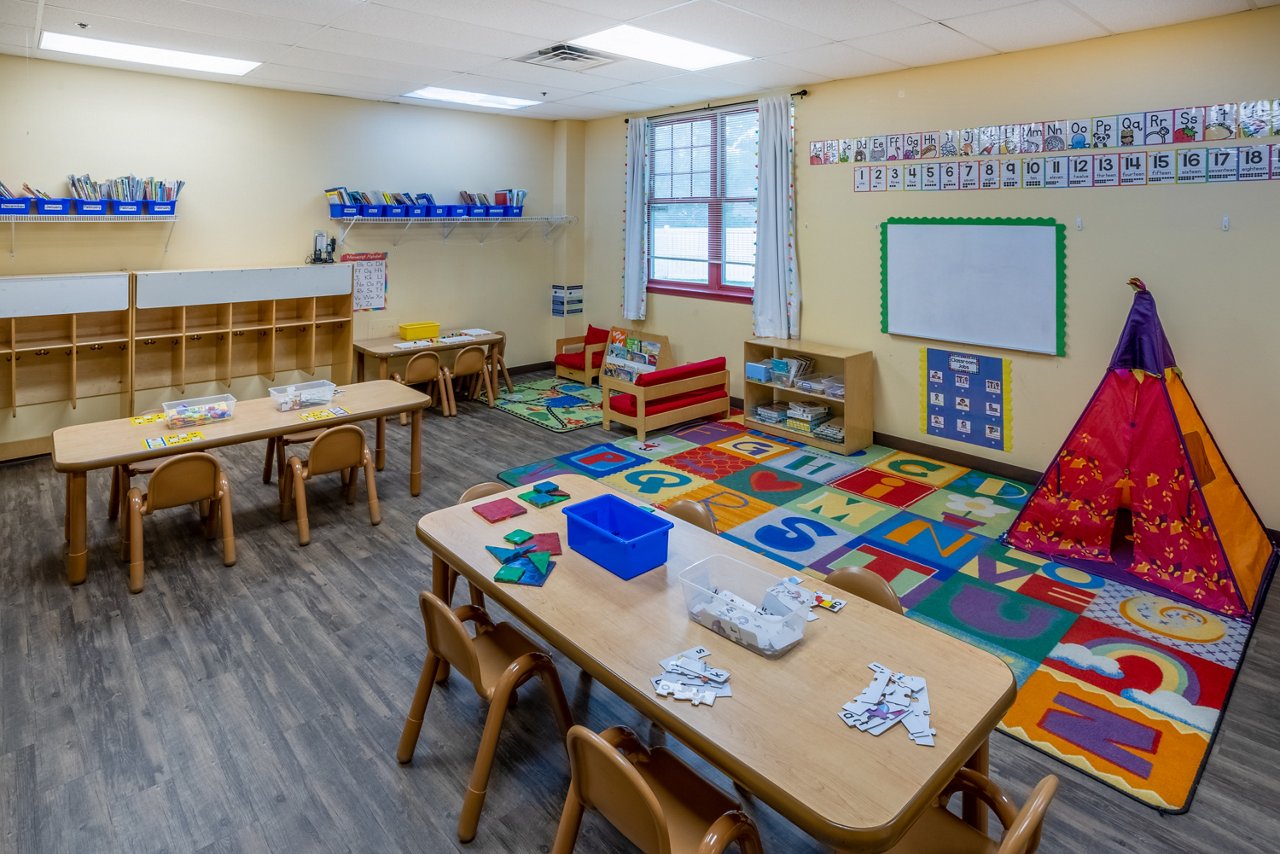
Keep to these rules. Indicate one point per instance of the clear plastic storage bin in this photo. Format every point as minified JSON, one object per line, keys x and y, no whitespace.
{"x":195,"y":411}
{"x":303,"y":395}
{"x":733,"y":600}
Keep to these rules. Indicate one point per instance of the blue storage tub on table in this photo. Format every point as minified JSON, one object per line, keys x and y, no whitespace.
{"x":618,"y":535}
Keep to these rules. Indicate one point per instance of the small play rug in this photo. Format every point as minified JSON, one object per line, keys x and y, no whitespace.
{"x":556,"y":404}
{"x":1126,"y":685}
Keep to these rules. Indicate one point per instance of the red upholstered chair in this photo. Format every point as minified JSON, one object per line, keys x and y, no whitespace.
{"x":662,"y":398}
{"x":580,"y":358}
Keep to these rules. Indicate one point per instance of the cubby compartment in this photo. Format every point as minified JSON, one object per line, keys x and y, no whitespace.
{"x":200,"y":362}
{"x":102,"y":327}
{"x":157,"y":322}
{"x":251,"y":315}
{"x":293,"y":348}
{"x":44,"y":375}
{"x":101,"y":368}
{"x":251,"y":353}
{"x":294,"y":312}
{"x":205,"y":318}
{"x":333,"y":308}
{"x":42,"y":333}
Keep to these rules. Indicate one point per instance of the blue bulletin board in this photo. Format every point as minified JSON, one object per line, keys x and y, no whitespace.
{"x":966,"y":397}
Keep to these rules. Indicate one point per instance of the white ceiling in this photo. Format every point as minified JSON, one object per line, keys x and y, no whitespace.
{"x":380,"y":49}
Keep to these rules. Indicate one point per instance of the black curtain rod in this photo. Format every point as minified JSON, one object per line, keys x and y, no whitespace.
{"x":799,"y":94}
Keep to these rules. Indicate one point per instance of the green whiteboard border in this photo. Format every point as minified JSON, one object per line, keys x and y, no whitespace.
{"x":1059,"y":229}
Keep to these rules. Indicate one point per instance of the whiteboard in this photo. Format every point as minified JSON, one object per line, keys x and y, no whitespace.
{"x":167,"y":288}
{"x":32,"y":296}
{"x":991,"y":282}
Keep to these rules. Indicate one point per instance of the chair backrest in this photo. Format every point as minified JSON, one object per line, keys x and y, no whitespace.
{"x":693,"y":512}
{"x":335,"y":449}
{"x":605,"y":780}
{"x":865,"y":584}
{"x":500,"y":347}
{"x":470,"y":360}
{"x":448,"y":638}
{"x":422,"y":368}
{"x":482,"y":490}
{"x":1023,"y":836}
{"x":184,"y":479}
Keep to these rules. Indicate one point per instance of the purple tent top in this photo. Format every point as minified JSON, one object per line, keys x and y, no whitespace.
{"x":1143,"y":345}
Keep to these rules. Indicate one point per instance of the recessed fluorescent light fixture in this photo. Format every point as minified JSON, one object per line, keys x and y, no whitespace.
{"x":125,"y":52}
{"x":474,"y":99}
{"x":655,"y":47}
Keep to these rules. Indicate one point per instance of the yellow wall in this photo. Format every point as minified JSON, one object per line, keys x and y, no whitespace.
{"x":1216,"y":290}
{"x":255,"y":162}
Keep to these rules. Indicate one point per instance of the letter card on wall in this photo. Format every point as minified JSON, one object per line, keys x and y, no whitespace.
{"x":965,"y":397}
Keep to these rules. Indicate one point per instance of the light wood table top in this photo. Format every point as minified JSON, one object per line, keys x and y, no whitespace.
{"x":83,"y":447}
{"x":779,"y":734}
{"x":386,"y":347}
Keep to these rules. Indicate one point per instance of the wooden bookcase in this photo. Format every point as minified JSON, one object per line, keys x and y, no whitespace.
{"x":856,"y":408}
{"x":194,"y":326}
{"x":63,"y":338}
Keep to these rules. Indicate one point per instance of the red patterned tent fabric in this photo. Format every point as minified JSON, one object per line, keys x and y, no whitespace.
{"x":1141,"y":446}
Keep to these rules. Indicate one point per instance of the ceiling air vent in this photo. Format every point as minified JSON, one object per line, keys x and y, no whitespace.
{"x":567,"y":57}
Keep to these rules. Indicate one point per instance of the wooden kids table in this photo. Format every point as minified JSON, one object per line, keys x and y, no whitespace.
{"x":779,"y":734}
{"x":384,"y":350}
{"x":82,"y":448}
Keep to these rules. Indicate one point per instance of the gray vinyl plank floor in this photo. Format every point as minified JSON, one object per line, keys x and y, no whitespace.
{"x":258,"y":708}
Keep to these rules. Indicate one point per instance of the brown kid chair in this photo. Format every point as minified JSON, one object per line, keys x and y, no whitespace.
{"x":498,"y":362}
{"x":865,"y":584}
{"x":122,"y":476}
{"x":338,"y":449}
{"x":937,"y":831}
{"x":497,"y":661}
{"x":693,"y":512}
{"x":423,"y":369}
{"x":659,"y":803}
{"x":276,"y":446}
{"x":472,"y":367}
{"x":194,"y":478}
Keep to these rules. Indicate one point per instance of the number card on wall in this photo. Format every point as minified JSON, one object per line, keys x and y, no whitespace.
{"x":966,"y":397}
{"x":370,"y":286}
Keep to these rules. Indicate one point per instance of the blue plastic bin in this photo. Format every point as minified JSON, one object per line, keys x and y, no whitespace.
{"x":155,"y":207}
{"x":417,"y":211}
{"x":477,"y":210}
{"x":343,"y":211}
{"x":496,"y":210}
{"x":618,"y":535}
{"x":15,"y":207}
{"x":53,"y":207}
{"x":513,"y":210}
{"x":371,"y":210}
{"x":396,"y":211}
{"x":456,"y":211}
{"x":438,"y":211}
{"x":121,"y":208}
{"x":91,"y":207}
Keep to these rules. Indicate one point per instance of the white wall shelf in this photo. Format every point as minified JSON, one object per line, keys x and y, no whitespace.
{"x":14,"y":219}
{"x":481,"y":227}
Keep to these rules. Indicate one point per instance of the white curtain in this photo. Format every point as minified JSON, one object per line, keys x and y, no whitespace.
{"x":776,"y":306}
{"x":635,"y":277}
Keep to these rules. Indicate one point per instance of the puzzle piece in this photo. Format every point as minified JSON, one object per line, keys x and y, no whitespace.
{"x":498,"y":510}
{"x":518,"y":536}
{"x":549,"y":543}
{"x":542,"y":499}
{"x":507,"y":555}
{"x":890,"y":698}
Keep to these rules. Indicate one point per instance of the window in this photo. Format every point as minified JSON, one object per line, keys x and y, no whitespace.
{"x":701,"y":204}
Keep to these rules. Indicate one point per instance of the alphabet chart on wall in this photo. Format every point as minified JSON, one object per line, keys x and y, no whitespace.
{"x":370,"y":287}
{"x":966,"y":397}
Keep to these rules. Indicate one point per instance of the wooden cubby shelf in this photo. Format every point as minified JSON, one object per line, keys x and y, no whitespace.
{"x":856,"y":408}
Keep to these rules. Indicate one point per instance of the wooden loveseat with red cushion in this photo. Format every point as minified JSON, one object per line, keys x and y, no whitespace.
{"x":572,"y":355}
{"x":661,"y":398}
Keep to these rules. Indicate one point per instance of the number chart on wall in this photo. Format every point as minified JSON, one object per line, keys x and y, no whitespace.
{"x":966,"y":397}
{"x":370,"y":291}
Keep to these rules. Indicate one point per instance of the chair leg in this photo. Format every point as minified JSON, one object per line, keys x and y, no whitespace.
{"x":477,"y":596}
{"x":113,"y":500}
{"x":286,"y":490}
{"x":502,"y":363}
{"x":555,"y":695}
{"x":490,"y":386}
{"x":371,"y":486}
{"x":477,"y":787}
{"x":570,"y":823}
{"x":417,"y":710}
{"x":270,"y":462}
{"x":300,"y":501}
{"x":281,"y":462}
{"x":135,"y":544}
{"x":349,"y":484}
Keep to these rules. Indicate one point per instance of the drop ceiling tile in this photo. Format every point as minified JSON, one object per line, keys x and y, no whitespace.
{"x":312,"y":11}
{"x":115,"y":29}
{"x":375,"y":19}
{"x":926,"y":44}
{"x":941,"y":10}
{"x":323,"y":60}
{"x":18,"y":14}
{"x":524,"y":72}
{"x":835,"y":61}
{"x":606,"y":101}
{"x":701,"y":85}
{"x":181,"y":15}
{"x":835,"y":19}
{"x":727,"y":28}
{"x":764,"y":74}
{"x":381,"y":47}
{"x":503,"y":87}
{"x":330,"y":79}
{"x":633,"y":71}
{"x":1144,"y":14}
{"x":1035,"y":24}
{"x":534,"y":18}
{"x":310,"y":89}
{"x":615,"y":10}
{"x":561,"y":110}
{"x":18,"y":41}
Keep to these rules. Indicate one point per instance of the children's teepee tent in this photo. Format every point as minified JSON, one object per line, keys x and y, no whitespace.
{"x":1140,"y":486}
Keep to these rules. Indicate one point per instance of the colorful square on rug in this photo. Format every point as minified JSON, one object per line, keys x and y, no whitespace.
{"x":554,"y":404}
{"x":1125,"y":685}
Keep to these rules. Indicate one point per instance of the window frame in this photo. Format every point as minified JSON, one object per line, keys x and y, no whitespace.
{"x":714,"y":288}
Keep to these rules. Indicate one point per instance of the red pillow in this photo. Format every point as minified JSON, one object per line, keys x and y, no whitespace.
{"x":596,"y":335}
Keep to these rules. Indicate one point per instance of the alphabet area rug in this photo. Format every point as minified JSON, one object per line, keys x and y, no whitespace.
{"x":554,"y":404}
{"x":1125,"y":685}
